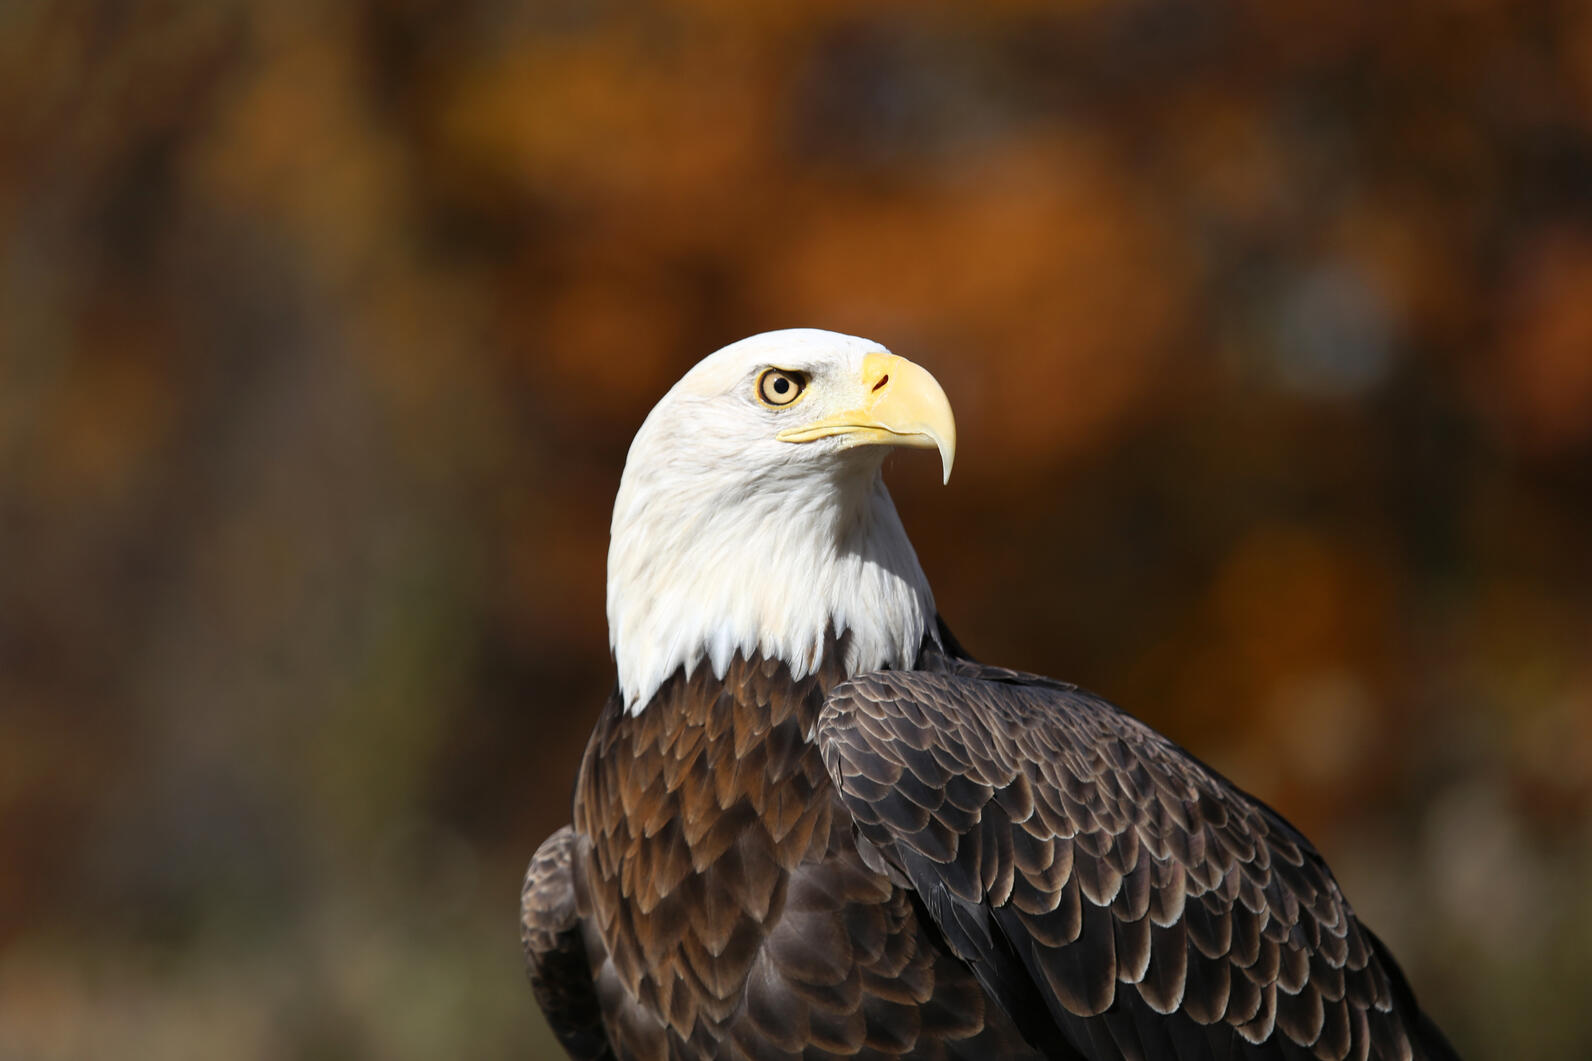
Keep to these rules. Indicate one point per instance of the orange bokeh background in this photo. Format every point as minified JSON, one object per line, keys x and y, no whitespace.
{"x":324,"y":329}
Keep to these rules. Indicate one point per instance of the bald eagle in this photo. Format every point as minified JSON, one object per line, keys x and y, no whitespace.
{"x":808,"y":825}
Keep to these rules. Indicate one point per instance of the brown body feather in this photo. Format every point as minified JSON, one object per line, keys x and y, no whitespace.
{"x":727,"y":910}
{"x":950,"y":862}
{"x":555,"y":950}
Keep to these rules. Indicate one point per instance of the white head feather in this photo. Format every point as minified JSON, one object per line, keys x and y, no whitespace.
{"x":727,"y":539}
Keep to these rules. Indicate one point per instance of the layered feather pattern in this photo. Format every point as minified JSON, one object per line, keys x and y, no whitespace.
{"x":727,"y":910}
{"x":1161,"y":912}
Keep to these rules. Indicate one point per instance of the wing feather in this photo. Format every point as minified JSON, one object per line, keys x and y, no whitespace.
{"x":555,"y":955}
{"x":1060,"y":844}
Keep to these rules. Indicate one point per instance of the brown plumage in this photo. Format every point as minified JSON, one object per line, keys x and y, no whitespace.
{"x":555,"y":949}
{"x":860,"y":843}
{"x":1162,"y":911}
{"x":965,"y":862}
{"x":726,"y":910}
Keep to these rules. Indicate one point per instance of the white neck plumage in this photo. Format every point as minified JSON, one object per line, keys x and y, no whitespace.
{"x":702,"y":567}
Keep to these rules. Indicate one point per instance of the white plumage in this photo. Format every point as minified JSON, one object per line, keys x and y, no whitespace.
{"x":727,"y":539}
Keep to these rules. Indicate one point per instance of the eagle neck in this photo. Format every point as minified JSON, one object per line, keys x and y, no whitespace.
{"x":808,"y":570}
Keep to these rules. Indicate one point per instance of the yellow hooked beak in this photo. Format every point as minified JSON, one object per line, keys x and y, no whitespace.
{"x":896,"y":403}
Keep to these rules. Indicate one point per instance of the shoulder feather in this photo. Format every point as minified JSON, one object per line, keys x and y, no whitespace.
{"x":1156,"y":908}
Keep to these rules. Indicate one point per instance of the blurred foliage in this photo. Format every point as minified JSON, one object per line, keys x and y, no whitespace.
{"x":324,"y":329}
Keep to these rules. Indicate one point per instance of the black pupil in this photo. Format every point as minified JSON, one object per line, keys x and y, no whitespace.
{"x":781,"y":384}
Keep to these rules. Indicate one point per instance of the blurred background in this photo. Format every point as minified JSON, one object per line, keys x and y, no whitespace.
{"x":324,"y":329}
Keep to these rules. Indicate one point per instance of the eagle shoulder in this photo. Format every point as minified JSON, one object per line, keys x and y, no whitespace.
{"x":1065,"y":847}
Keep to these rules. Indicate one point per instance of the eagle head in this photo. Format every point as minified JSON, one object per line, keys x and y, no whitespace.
{"x":752,"y":517}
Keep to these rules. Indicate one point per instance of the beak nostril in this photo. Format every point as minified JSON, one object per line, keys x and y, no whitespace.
{"x":882,"y":381}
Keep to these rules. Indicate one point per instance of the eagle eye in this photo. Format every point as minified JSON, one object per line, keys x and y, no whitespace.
{"x":777,"y":387}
